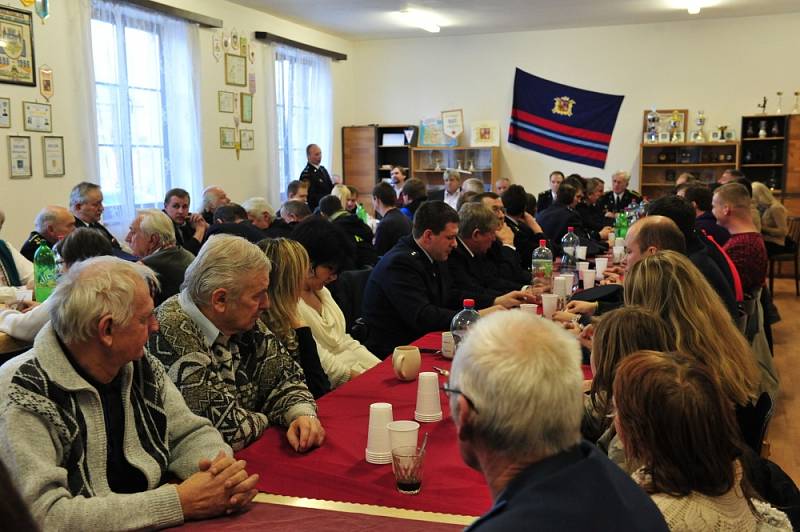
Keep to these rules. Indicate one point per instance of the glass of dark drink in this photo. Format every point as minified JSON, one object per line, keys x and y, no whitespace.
{"x":407,"y":467}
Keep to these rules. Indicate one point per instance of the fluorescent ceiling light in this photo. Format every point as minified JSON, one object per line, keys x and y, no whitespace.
{"x":420,"y":19}
{"x":693,"y":7}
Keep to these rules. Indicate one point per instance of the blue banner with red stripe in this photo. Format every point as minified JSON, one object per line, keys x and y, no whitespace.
{"x":562,"y":121}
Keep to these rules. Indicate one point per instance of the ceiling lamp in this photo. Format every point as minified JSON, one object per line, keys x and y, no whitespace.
{"x":693,"y":8}
{"x":420,"y":19}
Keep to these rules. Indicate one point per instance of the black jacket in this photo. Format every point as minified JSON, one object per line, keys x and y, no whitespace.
{"x":170,"y":266}
{"x":557,"y":219}
{"x":544,"y":200}
{"x":407,"y":296}
{"x":362,"y":238}
{"x":391,"y":228}
{"x":525,"y":240}
{"x":609,"y":204}
{"x":29,"y":247}
{"x":483,"y":278}
{"x":243,"y":229}
{"x":319,"y":183}
{"x":184,"y":237}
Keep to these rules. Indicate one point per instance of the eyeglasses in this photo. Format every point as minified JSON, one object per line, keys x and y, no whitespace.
{"x":448,"y":390}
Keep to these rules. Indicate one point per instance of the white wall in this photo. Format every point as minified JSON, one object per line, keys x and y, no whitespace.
{"x":723,"y":67}
{"x":55,"y":46}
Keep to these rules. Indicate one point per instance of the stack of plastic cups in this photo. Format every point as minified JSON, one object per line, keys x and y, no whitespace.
{"x":379,"y":449}
{"x":600,"y":265}
{"x":429,"y":404}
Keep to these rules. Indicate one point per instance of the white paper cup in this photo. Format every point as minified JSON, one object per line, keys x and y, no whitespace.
{"x":600,"y":265}
{"x":611,"y":238}
{"x":569,"y":280}
{"x":530,"y":308}
{"x":429,"y":404}
{"x":582,"y":267}
{"x":619,"y":252}
{"x":403,"y":433}
{"x":549,"y":304}
{"x":379,"y":449}
{"x":448,"y":345}
{"x":588,"y":279}
{"x":580,"y":252}
{"x":560,"y":286}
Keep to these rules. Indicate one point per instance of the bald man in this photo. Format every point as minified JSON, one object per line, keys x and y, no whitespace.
{"x":51,"y":225}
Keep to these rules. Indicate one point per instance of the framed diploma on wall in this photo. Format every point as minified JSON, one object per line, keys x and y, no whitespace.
{"x":53,"y":156}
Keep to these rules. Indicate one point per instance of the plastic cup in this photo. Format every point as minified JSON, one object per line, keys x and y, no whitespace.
{"x":379,"y":449}
{"x":429,"y":404}
{"x":560,"y":286}
{"x":600,"y":265}
{"x":611,"y":238}
{"x":530,"y":308}
{"x":403,"y":433}
{"x":619,"y":252}
{"x":407,"y":468}
{"x":582,"y":266}
{"x":580,"y":252}
{"x":448,"y":345}
{"x":549,"y":304}
{"x":588,"y":279}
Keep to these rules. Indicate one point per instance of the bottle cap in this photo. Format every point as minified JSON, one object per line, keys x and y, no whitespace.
{"x":469,"y":303}
{"x":570,"y":229}
{"x":543,"y":243}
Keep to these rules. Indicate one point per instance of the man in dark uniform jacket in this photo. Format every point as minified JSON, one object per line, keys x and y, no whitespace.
{"x":331,"y":208}
{"x":560,"y":216}
{"x":231,"y":219}
{"x":292,"y":213}
{"x":190,"y":229}
{"x":547,"y":197}
{"x":522,"y":224}
{"x":480,"y":265}
{"x":213,"y":198}
{"x":319,"y":180}
{"x":409,"y":292}
{"x":619,"y":197}
{"x":394,"y":224}
{"x":86,"y":204}
{"x":52,"y":224}
{"x":592,"y":213}
{"x":539,"y":472}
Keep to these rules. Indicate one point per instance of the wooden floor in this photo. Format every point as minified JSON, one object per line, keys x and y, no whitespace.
{"x":784,"y":430}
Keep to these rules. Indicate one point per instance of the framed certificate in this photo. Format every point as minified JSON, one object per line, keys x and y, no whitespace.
{"x":53,"y":154}
{"x":235,"y":70}
{"x":19,"y":157}
{"x":36,"y":117}
{"x":246,"y":104}
{"x":225,"y":102}
{"x":247,"y":139}
{"x":5,"y":112}
{"x":227,"y":138}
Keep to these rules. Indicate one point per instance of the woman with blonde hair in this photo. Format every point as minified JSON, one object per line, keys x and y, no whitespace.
{"x":666,"y":282}
{"x":680,"y":434}
{"x":774,"y":226}
{"x":289,"y":269}
{"x":343,"y":193}
{"x":617,"y":334}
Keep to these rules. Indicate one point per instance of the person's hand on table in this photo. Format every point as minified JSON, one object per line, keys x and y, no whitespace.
{"x":586,"y":308}
{"x":488,"y":310}
{"x":514,"y":299}
{"x":24,"y":305}
{"x":586,"y":336}
{"x":610,"y":278}
{"x":605,"y":231}
{"x":219,"y":487}
{"x":615,"y":269}
{"x":304,"y":433}
{"x":565,"y":317}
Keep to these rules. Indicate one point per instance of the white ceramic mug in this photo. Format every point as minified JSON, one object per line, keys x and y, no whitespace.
{"x":406,"y":361}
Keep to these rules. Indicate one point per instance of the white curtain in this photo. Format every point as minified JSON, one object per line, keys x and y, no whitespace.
{"x":304,"y":109}
{"x":135,"y":181}
{"x":274,"y":179}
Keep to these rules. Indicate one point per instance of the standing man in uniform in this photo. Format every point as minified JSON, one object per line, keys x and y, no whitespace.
{"x":319,"y":180}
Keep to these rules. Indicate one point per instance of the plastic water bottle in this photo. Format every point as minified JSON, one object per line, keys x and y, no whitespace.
{"x":463,"y":321}
{"x":542,"y":263}
{"x":569,"y":245}
{"x":44,"y":272}
{"x":621,"y":225}
{"x":361,"y":212}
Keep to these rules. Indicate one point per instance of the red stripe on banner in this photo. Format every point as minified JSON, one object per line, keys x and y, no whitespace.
{"x":586,"y":134}
{"x":555,"y":145}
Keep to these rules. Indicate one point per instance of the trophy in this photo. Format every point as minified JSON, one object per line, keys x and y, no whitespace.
{"x":471,"y":166}
{"x":750,"y":132}
{"x":458,"y":167}
{"x":779,"y":111}
{"x":722,"y":133}
{"x":796,"y":109}
{"x":652,"y":126}
{"x":776,"y":130}
{"x":674,"y":120}
{"x":762,"y":129}
{"x":763,"y":106}
{"x":699,"y":135}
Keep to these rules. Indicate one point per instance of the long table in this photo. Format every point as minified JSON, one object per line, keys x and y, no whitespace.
{"x":338,"y":471}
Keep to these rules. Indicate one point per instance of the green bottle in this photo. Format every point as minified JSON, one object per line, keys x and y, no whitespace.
{"x":44,"y":272}
{"x":361,"y":212}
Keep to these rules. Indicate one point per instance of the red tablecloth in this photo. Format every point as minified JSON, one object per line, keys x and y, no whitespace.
{"x":338,"y":470}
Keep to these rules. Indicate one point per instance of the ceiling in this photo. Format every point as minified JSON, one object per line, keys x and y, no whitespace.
{"x":373,"y":19}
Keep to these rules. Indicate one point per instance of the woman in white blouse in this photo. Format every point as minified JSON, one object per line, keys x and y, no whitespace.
{"x":342,"y":357}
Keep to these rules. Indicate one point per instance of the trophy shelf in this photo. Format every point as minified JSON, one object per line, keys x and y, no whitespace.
{"x":662,"y":163}
{"x":766,"y":147}
{"x":429,"y":163}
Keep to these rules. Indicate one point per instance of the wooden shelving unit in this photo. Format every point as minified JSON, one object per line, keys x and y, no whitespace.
{"x":764,"y":158}
{"x":483,"y":163}
{"x":661,"y":164}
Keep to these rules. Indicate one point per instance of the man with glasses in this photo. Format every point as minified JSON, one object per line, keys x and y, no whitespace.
{"x":515,"y":398}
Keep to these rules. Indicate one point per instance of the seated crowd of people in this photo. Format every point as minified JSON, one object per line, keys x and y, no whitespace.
{"x":158,"y":357}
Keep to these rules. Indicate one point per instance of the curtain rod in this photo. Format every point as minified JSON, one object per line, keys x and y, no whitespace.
{"x":190,"y":16}
{"x":271,"y":37}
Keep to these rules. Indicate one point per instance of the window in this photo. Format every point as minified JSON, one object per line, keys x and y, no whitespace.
{"x":144,"y":144}
{"x":303,"y":103}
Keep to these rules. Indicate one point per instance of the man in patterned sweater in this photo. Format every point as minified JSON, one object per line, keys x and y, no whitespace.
{"x":229,"y":367}
{"x":90,"y":425}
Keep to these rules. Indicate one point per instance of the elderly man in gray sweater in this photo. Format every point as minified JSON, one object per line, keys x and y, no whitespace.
{"x":91,"y":426}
